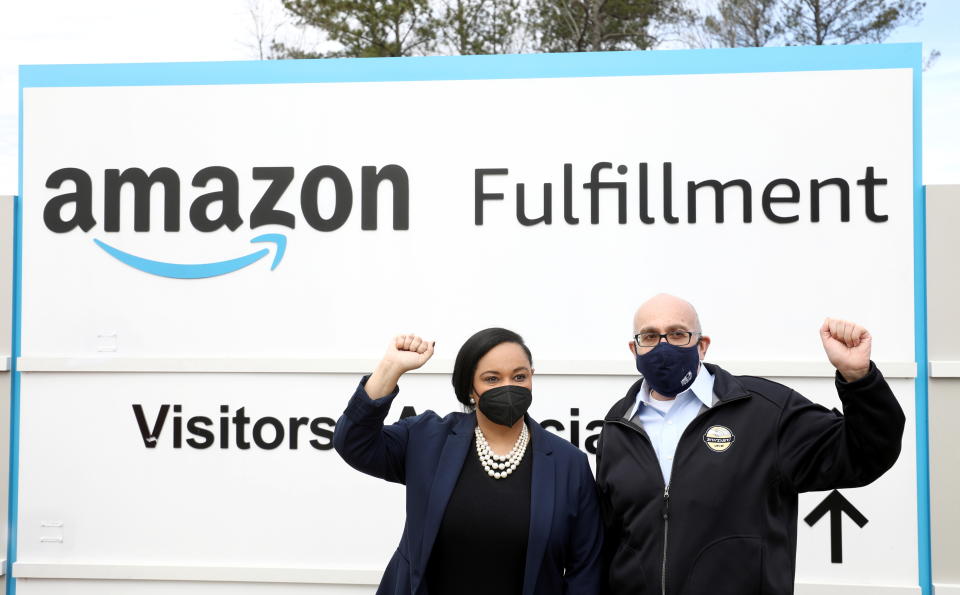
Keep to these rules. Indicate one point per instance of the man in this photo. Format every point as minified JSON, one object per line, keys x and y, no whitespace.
{"x":699,"y":470}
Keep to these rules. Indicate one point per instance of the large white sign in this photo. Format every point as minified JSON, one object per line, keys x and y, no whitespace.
{"x":290,"y":219}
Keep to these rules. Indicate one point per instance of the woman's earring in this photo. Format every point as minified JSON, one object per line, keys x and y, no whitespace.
{"x":473,"y":401}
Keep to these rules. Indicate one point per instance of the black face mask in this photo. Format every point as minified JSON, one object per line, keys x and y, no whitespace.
{"x":504,"y":405}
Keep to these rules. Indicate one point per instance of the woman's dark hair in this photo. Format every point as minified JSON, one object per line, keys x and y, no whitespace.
{"x":470,"y":353}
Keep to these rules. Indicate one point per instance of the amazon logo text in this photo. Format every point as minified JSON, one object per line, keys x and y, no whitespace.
{"x":218,"y":207}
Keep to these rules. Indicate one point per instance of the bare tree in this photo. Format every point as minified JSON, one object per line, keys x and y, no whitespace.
{"x":820,"y":22}
{"x":261,"y":32}
{"x":594,"y":25}
{"x":740,"y":23}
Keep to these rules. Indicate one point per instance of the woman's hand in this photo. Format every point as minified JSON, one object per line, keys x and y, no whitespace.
{"x":407,"y":352}
{"x":404,"y":353}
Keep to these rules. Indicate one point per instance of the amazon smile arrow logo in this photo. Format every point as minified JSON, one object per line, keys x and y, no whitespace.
{"x":218,"y":209}
{"x":200,"y":271}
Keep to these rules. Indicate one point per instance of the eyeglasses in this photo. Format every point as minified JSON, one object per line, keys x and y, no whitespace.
{"x":677,"y":338}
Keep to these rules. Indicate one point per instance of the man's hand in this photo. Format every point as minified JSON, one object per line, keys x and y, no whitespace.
{"x":848,"y":347}
{"x":404,"y":353}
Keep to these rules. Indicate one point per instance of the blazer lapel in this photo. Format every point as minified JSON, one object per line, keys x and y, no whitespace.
{"x":448,"y":470}
{"x":542,"y":495}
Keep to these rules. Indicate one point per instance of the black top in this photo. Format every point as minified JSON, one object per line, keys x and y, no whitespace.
{"x":481,"y":545}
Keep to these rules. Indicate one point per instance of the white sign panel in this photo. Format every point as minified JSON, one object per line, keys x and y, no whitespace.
{"x":293,"y":216}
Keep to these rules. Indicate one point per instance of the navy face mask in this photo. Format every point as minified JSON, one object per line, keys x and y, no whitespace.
{"x":669,"y":369}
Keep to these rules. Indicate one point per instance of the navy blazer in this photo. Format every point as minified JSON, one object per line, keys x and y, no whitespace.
{"x":426,"y":453}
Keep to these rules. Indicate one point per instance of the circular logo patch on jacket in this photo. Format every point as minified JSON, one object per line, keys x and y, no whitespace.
{"x":718,"y":438}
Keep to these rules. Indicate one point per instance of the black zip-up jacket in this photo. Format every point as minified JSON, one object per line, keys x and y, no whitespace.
{"x":727,"y":523}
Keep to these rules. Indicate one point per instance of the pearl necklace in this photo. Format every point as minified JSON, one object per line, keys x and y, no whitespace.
{"x":496,"y":466}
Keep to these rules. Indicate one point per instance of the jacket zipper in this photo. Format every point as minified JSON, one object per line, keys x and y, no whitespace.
{"x":666,"y":485}
{"x":666,"y":535}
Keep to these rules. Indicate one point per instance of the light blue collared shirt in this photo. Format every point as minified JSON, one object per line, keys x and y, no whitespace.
{"x":665,"y":429}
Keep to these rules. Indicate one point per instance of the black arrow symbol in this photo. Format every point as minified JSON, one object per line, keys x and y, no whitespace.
{"x":835,"y":504}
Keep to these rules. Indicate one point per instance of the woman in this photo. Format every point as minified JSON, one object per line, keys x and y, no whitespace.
{"x":495,"y":504}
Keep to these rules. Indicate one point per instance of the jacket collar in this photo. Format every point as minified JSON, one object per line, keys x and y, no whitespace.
{"x":622,"y":408}
{"x":542,"y":488}
{"x":726,"y":387}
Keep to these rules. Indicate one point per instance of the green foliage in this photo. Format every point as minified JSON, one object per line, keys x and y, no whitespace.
{"x":481,"y":26}
{"x":366,"y":28}
{"x":585,"y":25}
{"x":373,"y":28}
{"x":281,"y":51}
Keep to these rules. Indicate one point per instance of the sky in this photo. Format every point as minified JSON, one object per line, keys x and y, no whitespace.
{"x":103,"y":31}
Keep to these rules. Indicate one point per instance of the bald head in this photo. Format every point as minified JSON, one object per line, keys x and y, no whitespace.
{"x":665,"y":312}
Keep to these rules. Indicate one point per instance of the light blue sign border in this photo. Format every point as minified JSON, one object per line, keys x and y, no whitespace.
{"x":670,"y":62}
